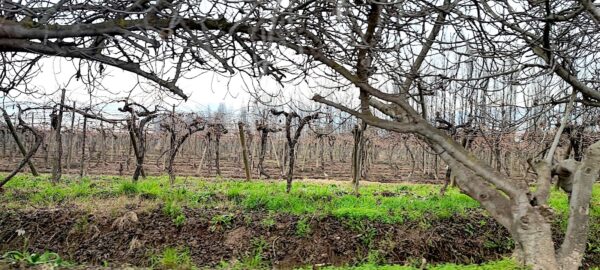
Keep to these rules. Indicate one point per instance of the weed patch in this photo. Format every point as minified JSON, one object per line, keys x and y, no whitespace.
{"x":173,"y":258}
{"x":25,"y":258}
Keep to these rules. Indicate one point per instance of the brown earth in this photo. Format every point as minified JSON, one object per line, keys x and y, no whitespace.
{"x":132,"y":237}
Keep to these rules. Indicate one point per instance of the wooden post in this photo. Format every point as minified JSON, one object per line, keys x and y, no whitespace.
{"x":357,"y":156}
{"x":57,"y":169}
{"x":173,"y":142}
{"x":72,"y":139}
{"x":244,"y":150}
{"x":84,"y":136}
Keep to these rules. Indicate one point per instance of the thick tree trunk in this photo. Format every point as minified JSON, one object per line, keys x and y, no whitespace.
{"x":532,"y":233}
{"x":527,"y":224}
{"x":573,"y":247}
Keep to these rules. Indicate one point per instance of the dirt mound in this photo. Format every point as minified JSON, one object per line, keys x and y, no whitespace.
{"x":133,"y":237}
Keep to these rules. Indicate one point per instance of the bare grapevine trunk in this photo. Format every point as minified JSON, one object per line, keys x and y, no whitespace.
{"x":218,"y":154}
{"x":244,"y":150}
{"x":292,"y":140}
{"x":261,"y":155}
{"x":290,"y":170}
{"x":27,"y":157}
{"x":18,"y":142}
{"x":56,"y":125}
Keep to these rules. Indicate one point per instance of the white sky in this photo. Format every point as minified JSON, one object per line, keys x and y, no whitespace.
{"x":208,"y":89}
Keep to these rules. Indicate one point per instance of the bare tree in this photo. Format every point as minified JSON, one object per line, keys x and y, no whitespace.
{"x":137,"y":133}
{"x":180,"y":130}
{"x":56,"y":124}
{"x":292,"y":139}
{"x":26,"y":157}
{"x":216,"y":130}
{"x":264,"y":130}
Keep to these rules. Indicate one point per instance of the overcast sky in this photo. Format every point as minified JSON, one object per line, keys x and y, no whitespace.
{"x":208,"y":89}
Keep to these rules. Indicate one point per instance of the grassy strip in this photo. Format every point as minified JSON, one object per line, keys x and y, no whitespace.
{"x":177,"y":258}
{"x":388,"y":203}
{"x":506,"y":264}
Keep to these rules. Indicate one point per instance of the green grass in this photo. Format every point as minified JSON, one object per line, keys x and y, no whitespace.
{"x":252,"y":260}
{"x":412,"y":202}
{"x":388,"y":203}
{"x":303,"y":227}
{"x":505,"y":264}
{"x":47,"y":258}
{"x":173,"y":258}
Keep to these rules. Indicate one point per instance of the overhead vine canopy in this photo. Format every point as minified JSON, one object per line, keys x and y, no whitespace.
{"x":163,"y":41}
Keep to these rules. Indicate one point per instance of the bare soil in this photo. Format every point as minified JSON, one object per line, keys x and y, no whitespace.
{"x":133,"y":236}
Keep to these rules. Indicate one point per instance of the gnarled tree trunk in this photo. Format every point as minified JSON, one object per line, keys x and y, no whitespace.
{"x":292,"y":140}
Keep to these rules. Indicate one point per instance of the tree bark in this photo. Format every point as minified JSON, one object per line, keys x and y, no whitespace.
{"x":573,"y":247}
{"x":244,"y":150}
{"x":261,"y":155}
{"x":173,"y":148}
{"x":542,"y":167}
{"x":57,"y":125}
{"x":290,"y":169}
